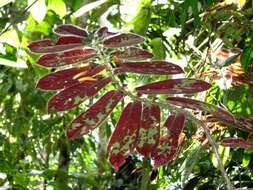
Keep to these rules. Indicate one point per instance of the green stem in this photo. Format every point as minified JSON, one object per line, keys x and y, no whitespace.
{"x":145,"y":175}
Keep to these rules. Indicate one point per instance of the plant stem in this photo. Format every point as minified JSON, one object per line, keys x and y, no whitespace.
{"x":229,"y":185}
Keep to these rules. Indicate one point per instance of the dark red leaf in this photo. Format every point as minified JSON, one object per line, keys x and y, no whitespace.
{"x":149,"y":67}
{"x":124,"y":138}
{"x":237,"y":143}
{"x":103,"y":32}
{"x":95,"y":115}
{"x":70,"y":30}
{"x":131,"y":53}
{"x":216,"y":112}
{"x":69,"y":40}
{"x":67,"y":58}
{"x":149,"y":131}
{"x":123,"y":40}
{"x":174,"y":86}
{"x":169,"y":144}
{"x":74,"y":95}
{"x":47,"y":46}
{"x":69,"y":77}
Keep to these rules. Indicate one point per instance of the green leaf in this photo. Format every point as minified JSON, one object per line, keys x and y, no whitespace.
{"x":10,"y":37}
{"x":5,"y":2}
{"x":140,"y":25}
{"x":58,"y":6}
{"x":247,"y":58}
{"x":38,"y":10}
{"x":88,"y":7}
{"x":158,"y":49}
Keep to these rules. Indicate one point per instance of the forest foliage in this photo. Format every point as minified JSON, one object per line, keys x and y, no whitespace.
{"x":162,"y":95}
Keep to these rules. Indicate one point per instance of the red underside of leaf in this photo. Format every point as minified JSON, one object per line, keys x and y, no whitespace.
{"x":47,"y":46}
{"x":149,"y":67}
{"x":95,"y":115}
{"x":69,"y":40}
{"x":124,"y":138}
{"x":131,"y":53}
{"x":68,"y":77}
{"x":237,"y":143}
{"x":123,"y":40}
{"x":74,"y":95}
{"x":69,"y":30}
{"x":149,"y":131}
{"x":169,"y":144}
{"x":67,"y":58}
{"x":216,"y":112}
{"x":103,"y":32}
{"x":174,"y":86}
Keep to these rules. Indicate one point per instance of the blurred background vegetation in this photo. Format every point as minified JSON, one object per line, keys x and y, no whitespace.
{"x":34,"y":152}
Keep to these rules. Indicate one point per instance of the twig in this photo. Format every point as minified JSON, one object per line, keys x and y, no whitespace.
{"x":229,"y":185}
{"x":23,"y":12}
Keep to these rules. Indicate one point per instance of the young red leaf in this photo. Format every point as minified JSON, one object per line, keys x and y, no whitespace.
{"x":74,"y":95}
{"x":124,"y":138}
{"x":70,"y":30}
{"x":237,"y":143}
{"x":174,"y":86}
{"x":69,"y":77}
{"x":169,"y":144}
{"x":103,"y":32}
{"x":123,"y":40}
{"x":95,"y":115}
{"x":67,"y":58}
{"x":149,"y":131}
{"x":131,"y":53}
{"x":216,"y":112}
{"x":149,"y":67}
{"x":47,"y":46}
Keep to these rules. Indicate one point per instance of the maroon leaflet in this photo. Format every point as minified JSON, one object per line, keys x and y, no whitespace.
{"x":74,"y":95}
{"x":69,"y":77}
{"x":103,"y":32}
{"x":216,"y":112}
{"x":131,"y":53}
{"x":70,"y":30}
{"x":69,"y":40}
{"x":149,"y":67}
{"x":237,"y":143}
{"x":149,"y":131}
{"x":67,"y":58}
{"x":169,"y":144}
{"x":174,"y":86}
{"x":95,"y":115}
{"x":123,"y":40}
{"x":124,"y":138}
{"x":47,"y":46}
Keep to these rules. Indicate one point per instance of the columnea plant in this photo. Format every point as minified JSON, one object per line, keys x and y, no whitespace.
{"x":88,"y":62}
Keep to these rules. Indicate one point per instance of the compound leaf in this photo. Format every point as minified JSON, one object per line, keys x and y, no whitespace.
{"x":67,"y":58}
{"x":70,"y":30}
{"x":169,"y":144}
{"x":237,"y":143}
{"x":74,"y":95}
{"x":124,"y":138}
{"x":69,"y":77}
{"x":149,"y":67}
{"x":174,"y":86}
{"x":149,"y":131}
{"x":123,"y":40}
{"x":95,"y":115}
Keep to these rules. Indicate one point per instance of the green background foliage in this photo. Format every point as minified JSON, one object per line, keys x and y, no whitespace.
{"x":34,"y":151}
